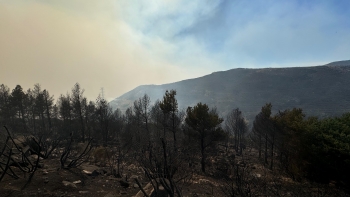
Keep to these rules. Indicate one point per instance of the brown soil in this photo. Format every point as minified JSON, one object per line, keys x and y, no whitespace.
{"x":49,"y":181}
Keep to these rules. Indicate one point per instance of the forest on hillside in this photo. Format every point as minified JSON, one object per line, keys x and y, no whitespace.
{"x":172,"y":146}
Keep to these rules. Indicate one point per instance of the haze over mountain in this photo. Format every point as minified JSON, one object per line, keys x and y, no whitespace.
{"x":119,"y":44}
{"x":320,"y":90}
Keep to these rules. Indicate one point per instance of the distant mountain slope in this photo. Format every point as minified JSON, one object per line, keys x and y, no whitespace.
{"x":320,"y":90}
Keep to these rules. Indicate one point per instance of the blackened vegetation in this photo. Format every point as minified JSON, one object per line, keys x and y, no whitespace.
{"x":71,"y":158}
{"x":165,"y":167}
{"x":23,"y":163}
{"x":173,"y":146}
{"x":304,"y":147}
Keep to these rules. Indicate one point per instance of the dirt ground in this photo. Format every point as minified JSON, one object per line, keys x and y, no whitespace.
{"x":50,"y":180}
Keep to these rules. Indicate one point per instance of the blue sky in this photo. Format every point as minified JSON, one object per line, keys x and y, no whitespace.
{"x":252,"y":33}
{"x":120,"y":44}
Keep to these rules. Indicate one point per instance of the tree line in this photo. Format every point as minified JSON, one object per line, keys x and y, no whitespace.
{"x":34,"y":112}
{"x":303,"y":147}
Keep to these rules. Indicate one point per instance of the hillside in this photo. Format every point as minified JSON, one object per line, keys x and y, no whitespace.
{"x":320,"y":90}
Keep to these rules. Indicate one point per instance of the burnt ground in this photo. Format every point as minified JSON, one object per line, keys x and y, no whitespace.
{"x":50,"y":180}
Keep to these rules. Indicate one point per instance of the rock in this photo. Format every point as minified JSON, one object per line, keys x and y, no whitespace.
{"x":93,"y":173}
{"x":88,"y":167}
{"x":18,"y":163}
{"x":148,"y":189}
{"x":77,"y":182}
{"x":16,"y":158}
{"x":161,"y":192}
{"x":133,"y":177}
{"x":26,"y":150}
{"x":135,"y":185}
{"x":257,"y":175}
{"x":110,"y":194}
{"x":15,"y":151}
{"x":203,"y":181}
{"x":33,"y":158}
{"x":67,"y":183}
{"x":87,"y":172}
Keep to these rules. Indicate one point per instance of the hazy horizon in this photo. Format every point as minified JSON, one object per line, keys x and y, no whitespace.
{"x":119,"y":45}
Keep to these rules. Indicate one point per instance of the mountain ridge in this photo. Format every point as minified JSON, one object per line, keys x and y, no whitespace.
{"x":319,"y":90}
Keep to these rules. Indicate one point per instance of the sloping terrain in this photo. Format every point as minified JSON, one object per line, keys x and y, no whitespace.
{"x":50,"y":180}
{"x":320,"y":90}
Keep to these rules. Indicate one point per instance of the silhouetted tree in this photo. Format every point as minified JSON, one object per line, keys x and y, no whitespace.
{"x":17,"y":102}
{"x":39,"y":109}
{"x":78,"y":106}
{"x":140,"y":116}
{"x":48,"y":102}
{"x":65,"y":113}
{"x":290,"y":127}
{"x":117,"y":123}
{"x":103,"y":116}
{"x":5,"y":106}
{"x":157,"y":118}
{"x":30,"y":109}
{"x":172,"y":118}
{"x":206,"y":124}
{"x":131,"y":130}
{"x":261,"y":129}
{"x":236,"y":125}
{"x":327,"y":150}
{"x":90,"y":117}
{"x":142,"y":112}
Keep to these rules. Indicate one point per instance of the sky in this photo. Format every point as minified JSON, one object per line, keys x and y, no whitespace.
{"x":118,"y":45}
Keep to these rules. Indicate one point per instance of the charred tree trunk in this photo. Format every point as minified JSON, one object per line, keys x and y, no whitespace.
{"x":202,"y":155}
{"x":266,"y":146}
{"x":272,"y":149}
{"x":48,"y":113}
